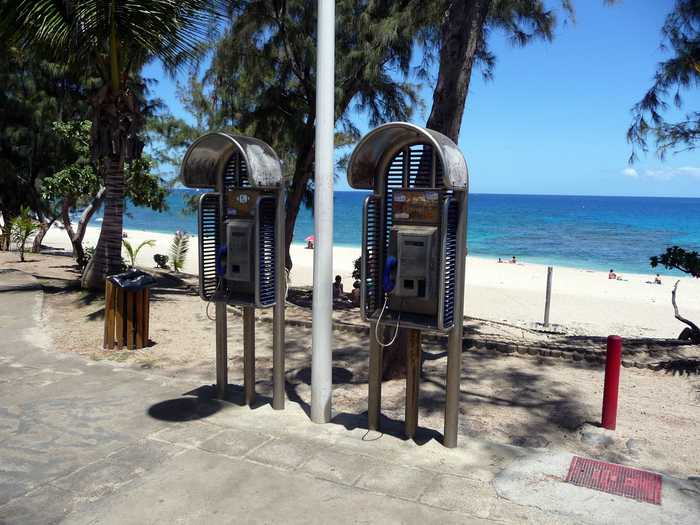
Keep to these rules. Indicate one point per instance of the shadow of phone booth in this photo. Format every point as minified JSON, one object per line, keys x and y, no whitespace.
{"x":241,"y":244}
{"x":413,"y":253}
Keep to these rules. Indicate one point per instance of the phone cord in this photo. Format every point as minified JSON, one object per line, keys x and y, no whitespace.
{"x":379,"y":321}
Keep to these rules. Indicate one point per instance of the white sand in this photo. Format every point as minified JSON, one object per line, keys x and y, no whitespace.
{"x":584,"y":302}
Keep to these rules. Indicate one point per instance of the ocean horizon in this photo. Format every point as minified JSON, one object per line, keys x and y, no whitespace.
{"x":590,"y":232}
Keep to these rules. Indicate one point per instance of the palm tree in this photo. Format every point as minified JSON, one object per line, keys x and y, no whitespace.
{"x":114,"y":39}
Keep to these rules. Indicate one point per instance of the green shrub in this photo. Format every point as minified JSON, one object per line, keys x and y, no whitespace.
{"x":21,"y":228}
{"x":132,"y":252}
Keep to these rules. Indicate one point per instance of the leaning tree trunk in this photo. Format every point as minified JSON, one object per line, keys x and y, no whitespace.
{"x":107,"y":258}
{"x":461,"y":34}
{"x":692,"y":333}
{"x":44,"y":226}
{"x":295,"y":197}
{"x":76,"y":236}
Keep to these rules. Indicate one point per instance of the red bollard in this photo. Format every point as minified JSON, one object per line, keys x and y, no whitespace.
{"x":613,"y":359}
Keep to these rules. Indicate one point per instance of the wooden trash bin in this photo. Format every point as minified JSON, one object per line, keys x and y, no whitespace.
{"x":126,"y":316}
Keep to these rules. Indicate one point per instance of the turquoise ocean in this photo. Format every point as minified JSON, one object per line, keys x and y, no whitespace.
{"x":596,"y":233}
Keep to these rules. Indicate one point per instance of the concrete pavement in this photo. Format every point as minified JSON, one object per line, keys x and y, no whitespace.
{"x":95,"y":442}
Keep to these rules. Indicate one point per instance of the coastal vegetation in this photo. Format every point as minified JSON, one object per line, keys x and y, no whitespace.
{"x":111,"y":41}
{"x":133,"y":251}
{"x":686,"y":261}
{"x":78,"y":186}
{"x":179,"y":247}
{"x":21,"y":228}
{"x":681,"y":36}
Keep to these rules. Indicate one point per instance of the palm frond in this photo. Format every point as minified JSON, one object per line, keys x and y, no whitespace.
{"x":178,"y":249}
{"x":173,"y":31}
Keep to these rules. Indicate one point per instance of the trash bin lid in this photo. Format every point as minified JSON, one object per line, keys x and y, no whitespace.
{"x":133,"y":280}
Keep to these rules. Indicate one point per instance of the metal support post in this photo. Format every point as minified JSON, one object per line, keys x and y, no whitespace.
{"x":278,"y":390}
{"x":454,"y":342}
{"x":374,"y":398}
{"x":249,"y":354}
{"x":221,"y":350}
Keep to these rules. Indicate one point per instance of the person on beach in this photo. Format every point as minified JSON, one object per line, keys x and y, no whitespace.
{"x":513,"y":260}
{"x":309,"y":244}
{"x":355,"y":294}
{"x":612,"y":275}
{"x":657,"y":279}
{"x":500,"y":260}
{"x":338,"y":286}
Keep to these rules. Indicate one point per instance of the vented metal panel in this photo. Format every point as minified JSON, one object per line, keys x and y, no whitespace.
{"x":209,"y":241}
{"x":394,"y":180}
{"x":266,"y":256}
{"x":370,"y":277}
{"x":236,"y":173}
{"x":420,"y":173}
{"x":448,"y":263}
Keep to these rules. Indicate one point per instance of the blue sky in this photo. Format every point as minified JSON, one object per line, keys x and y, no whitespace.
{"x":553,"y":119}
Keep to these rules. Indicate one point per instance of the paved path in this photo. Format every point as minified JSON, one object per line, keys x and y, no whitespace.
{"x":92,"y":442}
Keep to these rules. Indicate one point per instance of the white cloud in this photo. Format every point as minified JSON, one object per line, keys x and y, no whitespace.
{"x":670,"y":173}
{"x":690,"y":171}
{"x":664,"y":173}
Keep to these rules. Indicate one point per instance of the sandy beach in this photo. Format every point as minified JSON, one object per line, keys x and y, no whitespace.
{"x":584,"y":302}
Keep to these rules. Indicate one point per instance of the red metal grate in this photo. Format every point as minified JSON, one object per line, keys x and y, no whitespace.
{"x":615,"y":479}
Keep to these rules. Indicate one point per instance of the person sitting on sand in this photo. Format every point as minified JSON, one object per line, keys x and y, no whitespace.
{"x":612,"y":275}
{"x":338,"y":286}
{"x":513,"y":260}
{"x":309,"y":244}
{"x":500,"y":260}
{"x":355,"y":294}
{"x":657,"y":279}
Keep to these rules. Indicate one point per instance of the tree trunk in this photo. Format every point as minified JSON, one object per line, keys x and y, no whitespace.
{"x":691,"y":333}
{"x":76,"y":237}
{"x":461,"y":34}
{"x":302,"y":174}
{"x":78,"y":252}
{"x":44,"y":226}
{"x":107,"y":258}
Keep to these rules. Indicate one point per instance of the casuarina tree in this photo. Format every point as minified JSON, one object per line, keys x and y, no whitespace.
{"x":681,"y":36}
{"x":262,"y":79}
{"x":456,"y":35}
{"x":114,"y":38}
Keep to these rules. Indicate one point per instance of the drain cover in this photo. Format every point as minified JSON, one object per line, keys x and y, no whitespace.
{"x":615,"y":479}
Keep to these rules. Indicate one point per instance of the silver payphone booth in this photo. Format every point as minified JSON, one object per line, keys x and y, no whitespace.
{"x":241,"y":244}
{"x":413,"y":250}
